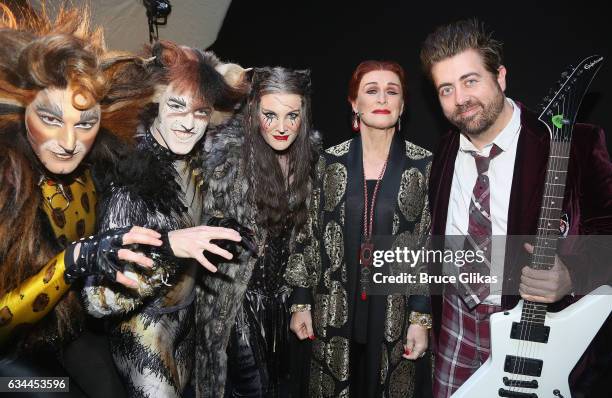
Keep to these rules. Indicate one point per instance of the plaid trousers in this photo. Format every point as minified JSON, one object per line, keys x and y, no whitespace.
{"x":463,"y":345}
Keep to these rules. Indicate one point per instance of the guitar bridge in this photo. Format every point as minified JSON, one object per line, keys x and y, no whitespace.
{"x":520,"y":383}
{"x":516,"y":394}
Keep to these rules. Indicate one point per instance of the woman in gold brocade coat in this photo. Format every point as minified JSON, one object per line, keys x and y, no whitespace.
{"x":365,"y":343}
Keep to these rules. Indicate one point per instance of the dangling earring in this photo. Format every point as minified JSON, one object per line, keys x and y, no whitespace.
{"x":399,"y":123}
{"x":356,"y":122}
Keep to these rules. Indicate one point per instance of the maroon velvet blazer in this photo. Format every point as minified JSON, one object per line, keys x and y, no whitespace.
{"x":587,"y":203}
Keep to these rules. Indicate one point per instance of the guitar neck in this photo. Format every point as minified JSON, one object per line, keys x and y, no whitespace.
{"x":545,"y":245}
{"x":550,"y":213}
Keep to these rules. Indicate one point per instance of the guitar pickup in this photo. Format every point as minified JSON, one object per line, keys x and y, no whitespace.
{"x":529,"y":332}
{"x":523,"y":366}
{"x":520,"y":383}
{"x":516,"y":394}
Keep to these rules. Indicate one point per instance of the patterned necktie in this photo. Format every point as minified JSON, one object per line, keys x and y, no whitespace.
{"x":480,"y":229}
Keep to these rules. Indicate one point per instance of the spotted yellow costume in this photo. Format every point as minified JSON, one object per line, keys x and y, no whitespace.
{"x":71,"y":212}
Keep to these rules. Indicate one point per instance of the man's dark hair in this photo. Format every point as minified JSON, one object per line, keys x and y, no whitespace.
{"x":452,"y":39}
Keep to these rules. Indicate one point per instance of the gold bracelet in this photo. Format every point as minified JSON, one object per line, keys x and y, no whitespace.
{"x":420,"y":319}
{"x":299,"y":308}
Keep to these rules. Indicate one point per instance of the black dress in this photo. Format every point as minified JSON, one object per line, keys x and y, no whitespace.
{"x":258,"y":350}
{"x":363,"y":366}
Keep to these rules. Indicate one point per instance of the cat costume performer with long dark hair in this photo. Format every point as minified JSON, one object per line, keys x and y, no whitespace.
{"x":259,"y":169}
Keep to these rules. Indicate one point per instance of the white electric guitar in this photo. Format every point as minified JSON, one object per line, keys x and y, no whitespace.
{"x":534,"y":351}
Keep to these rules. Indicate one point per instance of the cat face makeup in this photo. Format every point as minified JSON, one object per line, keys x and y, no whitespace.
{"x":60,"y":135}
{"x":280,"y":119}
{"x":181,"y":121}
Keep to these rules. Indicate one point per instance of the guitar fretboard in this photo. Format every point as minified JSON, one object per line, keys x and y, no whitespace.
{"x":545,"y":245}
{"x":550,"y":212}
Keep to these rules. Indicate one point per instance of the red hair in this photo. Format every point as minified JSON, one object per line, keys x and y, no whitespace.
{"x":369,"y":66}
{"x":183,"y":70}
{"x":193,"y":71}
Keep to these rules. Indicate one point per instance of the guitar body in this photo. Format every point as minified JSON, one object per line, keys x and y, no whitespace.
{"x":571,"y":331}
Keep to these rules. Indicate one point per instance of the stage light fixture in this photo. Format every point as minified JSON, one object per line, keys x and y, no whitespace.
{"x":157,"y":14}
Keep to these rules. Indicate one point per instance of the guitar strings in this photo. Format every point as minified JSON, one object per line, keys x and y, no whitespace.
{"x":532,"y":310}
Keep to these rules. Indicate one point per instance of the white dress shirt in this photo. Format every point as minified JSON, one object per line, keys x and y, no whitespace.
{"x":501,"y":171}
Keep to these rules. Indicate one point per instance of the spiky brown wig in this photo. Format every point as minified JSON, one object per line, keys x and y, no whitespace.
{"x":196,"y":72}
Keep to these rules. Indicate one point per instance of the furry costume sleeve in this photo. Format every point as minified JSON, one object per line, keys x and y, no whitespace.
{"x":218,"y":298}
{"x":143,"y":192}
{"x":223,"y":197}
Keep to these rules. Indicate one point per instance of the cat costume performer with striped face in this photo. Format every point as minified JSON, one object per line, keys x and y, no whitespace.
{"x":65,"y":114}
{"x":159,"y":186}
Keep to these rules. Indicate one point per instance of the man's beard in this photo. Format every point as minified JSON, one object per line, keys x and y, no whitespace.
{"x":480,"y":122}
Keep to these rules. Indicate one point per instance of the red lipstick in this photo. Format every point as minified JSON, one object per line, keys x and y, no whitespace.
{"x":281,"y":137}
{"x":381,"y":111}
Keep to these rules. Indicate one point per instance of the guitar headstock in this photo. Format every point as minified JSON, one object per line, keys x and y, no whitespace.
{"x":561,"y":106}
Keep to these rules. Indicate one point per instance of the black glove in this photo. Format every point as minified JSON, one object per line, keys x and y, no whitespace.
{"x":248,"y":238}
{"x":98,"y":256}
{"x":166,"y":248}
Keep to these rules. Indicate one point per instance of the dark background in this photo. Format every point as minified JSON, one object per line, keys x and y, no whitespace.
{"x":540,"y":40}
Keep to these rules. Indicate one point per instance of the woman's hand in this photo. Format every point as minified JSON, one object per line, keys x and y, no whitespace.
{"x":248,"y":237}
{"x":192,"y":242}
{"x":416,"y":342}
{"x":301,"y":325}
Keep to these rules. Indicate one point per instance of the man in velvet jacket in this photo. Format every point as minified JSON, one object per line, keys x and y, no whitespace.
{"x":464,"y":63}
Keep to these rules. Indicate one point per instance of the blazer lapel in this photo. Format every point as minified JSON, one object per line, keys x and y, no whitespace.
{"x":525,"y":200}
{"x":529,"y":177}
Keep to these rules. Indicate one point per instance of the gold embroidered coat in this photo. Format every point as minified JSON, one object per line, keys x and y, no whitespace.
{"x":321,"y":273}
